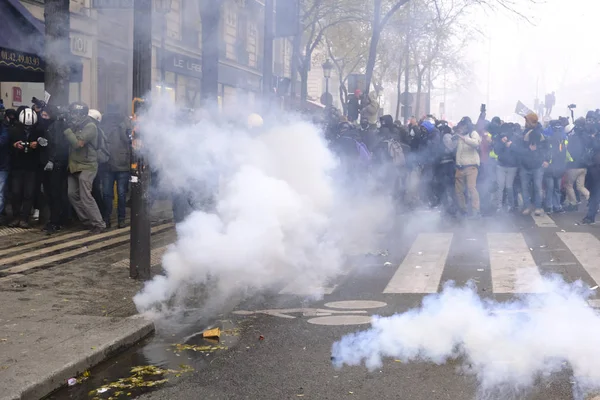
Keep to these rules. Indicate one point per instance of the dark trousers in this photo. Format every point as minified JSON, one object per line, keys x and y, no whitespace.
{"x":594,"y":177}
{"x":55,"y":189}
{"x":446,"y":181}
{"x":108,"y":181}
{"x":23,"y":191}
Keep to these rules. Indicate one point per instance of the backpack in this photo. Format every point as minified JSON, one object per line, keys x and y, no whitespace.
{"x":102,"y":152}
{"x":390,"y":150}
{"x":364,"y":155}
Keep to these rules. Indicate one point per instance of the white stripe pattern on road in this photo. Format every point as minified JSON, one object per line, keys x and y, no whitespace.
{"x":544,"y":221}
{"x":512,"y":265}
{"x":421,"y":270}
{"x":586,"y":249}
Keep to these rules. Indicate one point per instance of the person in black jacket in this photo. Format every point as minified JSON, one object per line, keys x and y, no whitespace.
{"x":55,"y":160}
{"x":594,"y":174}
{"x":506,"y":170}
{"x":533,"y":159}
{"x":579,"y":144}
{"x":354,"y":106}
{"x":5,"y":126}
{"x":25,"y":160}
{"x":558,"y":156}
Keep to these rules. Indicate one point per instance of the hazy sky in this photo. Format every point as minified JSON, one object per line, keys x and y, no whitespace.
{"x":559,"y":49}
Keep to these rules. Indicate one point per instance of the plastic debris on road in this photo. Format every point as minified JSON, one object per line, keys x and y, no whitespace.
{"x":480,"y":269}
{"x":418,"y":267}
{"x":261,"y":337}
{"x":72,"y":382}
{"x":387,"y":264}
{"x":594,"y":288}
{"x":214,"y":333}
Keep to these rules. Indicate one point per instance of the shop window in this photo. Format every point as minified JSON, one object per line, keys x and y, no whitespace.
{"x":112,"y":85}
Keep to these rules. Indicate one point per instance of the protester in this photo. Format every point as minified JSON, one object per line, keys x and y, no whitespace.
{"x":5,"y":126}
{"x":116,"y":127}
{"x":467,"y":165}
{"x":55,"y":160}
{"x":24,"y":165}
{"x":82,"y":136}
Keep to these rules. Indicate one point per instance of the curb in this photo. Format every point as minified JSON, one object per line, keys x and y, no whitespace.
{"x":85,"y":360}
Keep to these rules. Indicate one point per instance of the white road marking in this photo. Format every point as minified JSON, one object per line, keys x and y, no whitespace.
{"x":341,"y":320}
{"x":356,"y":304}
{"x":544,"y":221}
{"x":557,"y":264}
{"x":421,"y":270}
{"x":586,"y":249}
{"x":512,"y":265}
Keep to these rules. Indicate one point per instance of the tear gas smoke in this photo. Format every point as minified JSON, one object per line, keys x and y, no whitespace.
{"x":505,"y":349}
{"x":267,"y":209}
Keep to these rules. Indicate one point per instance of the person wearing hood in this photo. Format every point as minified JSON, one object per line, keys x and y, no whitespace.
{"x":533,"y":160}
{"x":579,"y":143}
{"x":467,"y":165}
{"x":370,"y":108}
{"x":506,"y":170}
{"x":558,"y":158}
{"x":445,"y":169}
{"x":354,"y":106}
{"x":55,"y":161}
{"x":430,"y":155}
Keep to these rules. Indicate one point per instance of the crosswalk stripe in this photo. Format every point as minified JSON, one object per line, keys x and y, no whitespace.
{"x":544,"y":221}
{"x":421,"y":270}
{"x":72,"y":253}
{"x":586,"y":249}
{"x":512,"y":265}
{"x":34,"y":244}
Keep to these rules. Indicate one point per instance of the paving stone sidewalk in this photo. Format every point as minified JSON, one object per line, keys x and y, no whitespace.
{"x":57,"y":322}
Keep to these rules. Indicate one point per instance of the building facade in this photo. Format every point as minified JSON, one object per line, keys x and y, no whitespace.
{"x":103,"y":40}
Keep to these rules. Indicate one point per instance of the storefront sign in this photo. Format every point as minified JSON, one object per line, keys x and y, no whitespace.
{"x":17,"y":94}
{"x":117,"y":3}
{"x":16,"y":59}
{"x":180,"y":64}
{"x":81,"y":46}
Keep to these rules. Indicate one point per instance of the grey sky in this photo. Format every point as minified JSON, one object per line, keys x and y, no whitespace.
{"x":559,"y":50}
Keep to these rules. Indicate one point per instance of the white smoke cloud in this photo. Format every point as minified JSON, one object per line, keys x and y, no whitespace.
{"x":277,"y":215}
{"x":507,"y":346}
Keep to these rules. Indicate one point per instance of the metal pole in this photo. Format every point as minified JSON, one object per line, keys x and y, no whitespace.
{"x":295,"y":57}
{"x":327,"y":90}
{"x":139,"y":252}
{"x":407,"y":67}
{"x":162,"y":51}
{"x":268,"y":51}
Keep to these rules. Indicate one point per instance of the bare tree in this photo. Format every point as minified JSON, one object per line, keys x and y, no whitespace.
{"x":316,"y":18}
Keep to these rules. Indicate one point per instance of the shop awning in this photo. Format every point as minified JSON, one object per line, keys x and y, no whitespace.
{"x":22,"y":46}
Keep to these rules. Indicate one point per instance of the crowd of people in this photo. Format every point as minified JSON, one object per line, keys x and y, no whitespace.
{"x":65,"y":161}
{"x":473,"y":168}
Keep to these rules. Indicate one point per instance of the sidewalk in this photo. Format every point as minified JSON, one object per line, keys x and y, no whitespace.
{"x":57,"y":322}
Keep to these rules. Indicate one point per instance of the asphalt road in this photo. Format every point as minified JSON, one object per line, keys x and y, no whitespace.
{"x":293,"y":360}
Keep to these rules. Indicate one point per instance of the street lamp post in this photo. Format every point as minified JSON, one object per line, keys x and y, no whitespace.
{"x":162,"y":7}
{"x":327,"y":68}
